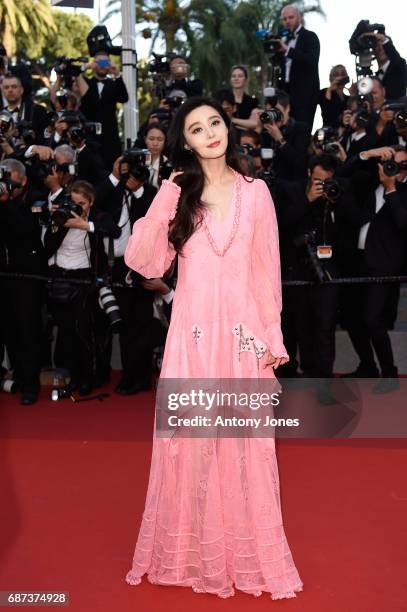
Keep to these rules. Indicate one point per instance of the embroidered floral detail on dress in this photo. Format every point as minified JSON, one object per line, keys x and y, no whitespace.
{"x":248,"y":342}
{"x":196,"y":333}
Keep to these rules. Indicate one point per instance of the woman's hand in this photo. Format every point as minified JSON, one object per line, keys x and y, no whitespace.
{"x":272,"y":361}
{"x":174,"y":174}
{"x":77,"y":222}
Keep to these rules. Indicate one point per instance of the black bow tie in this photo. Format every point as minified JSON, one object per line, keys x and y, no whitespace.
{"x":291,"y":36}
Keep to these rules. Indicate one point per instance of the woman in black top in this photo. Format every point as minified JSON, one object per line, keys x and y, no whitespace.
{"x":244,"y":103}
{"x":332,"y":99}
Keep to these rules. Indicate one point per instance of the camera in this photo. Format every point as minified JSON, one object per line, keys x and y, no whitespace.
{"x":392,"y":168}
{"x":363,"y":46}
{"x":326,"y":139}
{"x":6,"y":124}
{"x":108,"y":303}
{"x":271,"y":40}
{"x":331,"y":189}
{"x":160,"y":64}
{"x":308,"y":240}
{"x":99,"y":41}
{"x":6,"y":183}
{"x":64,"y":211}
{"x":400,"y":120}
{"x":24,"y":132}
{"x":138,"y":162}
{"x":69,"y":68}
{"x":271,"y":116}
{"x":82,"y":131}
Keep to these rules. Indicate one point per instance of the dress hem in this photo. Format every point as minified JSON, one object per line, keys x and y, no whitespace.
{"x":134,"y":580}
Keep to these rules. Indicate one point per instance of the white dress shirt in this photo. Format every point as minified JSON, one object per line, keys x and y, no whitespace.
{"x":120,"y":243}
{"x":288,"y":61}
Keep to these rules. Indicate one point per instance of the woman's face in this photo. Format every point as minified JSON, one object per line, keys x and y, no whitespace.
{"x":155,"y":141}
{"x":237,"y":78}
{"x":205,"y":132}
{"x":83,"y":201}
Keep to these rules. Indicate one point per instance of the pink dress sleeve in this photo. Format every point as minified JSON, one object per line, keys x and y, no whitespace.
{"x":266,"y":273}
{"x":148,"y":250}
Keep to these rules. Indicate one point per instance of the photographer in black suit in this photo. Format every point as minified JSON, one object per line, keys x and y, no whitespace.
{"x":381,"y":251}
{"x":23,"y":109}
{"x":300,"y":66}
{"x":100,"y":96}
{"x":73,"y":245}
{"x":21,"y":234}
{"x":127,"y":195}
{"x":288,"y":138}
{"x":315,"y":218}
{"x":392,"y":67}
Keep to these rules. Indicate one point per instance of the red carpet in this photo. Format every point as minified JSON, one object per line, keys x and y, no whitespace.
{"x":73,"y":479}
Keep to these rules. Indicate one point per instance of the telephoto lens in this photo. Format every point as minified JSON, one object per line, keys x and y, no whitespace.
{"x":108,"y":303}
{"x":8,"y":385}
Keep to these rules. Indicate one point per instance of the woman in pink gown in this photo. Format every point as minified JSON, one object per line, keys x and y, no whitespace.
{"x":212,"y":518}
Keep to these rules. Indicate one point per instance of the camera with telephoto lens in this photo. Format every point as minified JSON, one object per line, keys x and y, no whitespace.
{"x":273,"y":115}
{"x":68,"y":68}
{"x":40,"y":169}
{"x":108,"y":303}
{"x":135,"y":162}
{"x":332,"y":189}
{"x":64,"y":211}
{"x":81,"y":132}
{"x":326,"y":139}
{"x":6,"y":182}
{"x":400,"y":120}
{"x":392,"y":168}
{"x":271,"y":40}
{"x":160,"y":64}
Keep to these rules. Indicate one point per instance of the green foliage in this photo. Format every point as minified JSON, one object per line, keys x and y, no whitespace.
{"x":69,"y":39}
{"x":31,"y":18}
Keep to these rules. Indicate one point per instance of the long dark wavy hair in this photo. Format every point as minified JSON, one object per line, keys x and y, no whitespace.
{"x":190,"y":207}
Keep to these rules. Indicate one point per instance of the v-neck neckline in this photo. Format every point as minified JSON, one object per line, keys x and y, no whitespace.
{"x":236,"y":199}
{"x":230,"y":207}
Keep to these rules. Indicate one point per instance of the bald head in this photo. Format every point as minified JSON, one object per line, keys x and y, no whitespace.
{"x":291,"y":17}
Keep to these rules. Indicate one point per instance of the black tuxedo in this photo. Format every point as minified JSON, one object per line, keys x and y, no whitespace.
{"x":135,"y":303}
{"x":90,"y":166}
{"x":22,"y":253}
{"x":290,"y":159}
{"x":371,"y":309}
{"x":395,"y":77}
{"x":303,"y":86}
{"x":102,"y":108}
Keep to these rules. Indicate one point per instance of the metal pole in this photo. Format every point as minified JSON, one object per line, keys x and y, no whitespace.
{"x":129,"y":60}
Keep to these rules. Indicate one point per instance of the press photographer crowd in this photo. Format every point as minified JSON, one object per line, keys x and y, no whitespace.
{"x":70,"y":193}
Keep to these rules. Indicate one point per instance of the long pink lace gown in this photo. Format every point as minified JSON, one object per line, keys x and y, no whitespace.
{"x":212,"y":517}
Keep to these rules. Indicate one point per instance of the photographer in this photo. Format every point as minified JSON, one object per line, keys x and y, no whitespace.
{"x":288,"y":138}
{"x":21,"y":236}
{"x":178,"y":78}
{"x":126,"y":195}
{"x":74,"y":248}
{"x":160,"y":169}
{"x":23,"y":109}
{"x":315,"y":222}
{"x":332,"y":99}
{"x":90,"y":166}
{"x":58,"y":174}
{"x":381,"y":251}
{"x":392,"y":70}
{"x":100,"y":96}
{"x":300,"y":66}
